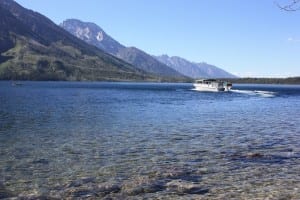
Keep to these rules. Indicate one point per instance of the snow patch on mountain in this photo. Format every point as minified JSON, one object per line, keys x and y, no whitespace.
{"x":99,"y":36}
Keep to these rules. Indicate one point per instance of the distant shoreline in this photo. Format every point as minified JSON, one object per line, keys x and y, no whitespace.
{"x":289,"y":80}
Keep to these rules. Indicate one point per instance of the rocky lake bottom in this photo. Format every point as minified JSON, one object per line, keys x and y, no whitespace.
{"x":71,"y":140}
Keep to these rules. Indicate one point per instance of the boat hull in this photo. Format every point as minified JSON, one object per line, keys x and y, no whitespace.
{"x":200,"y":87}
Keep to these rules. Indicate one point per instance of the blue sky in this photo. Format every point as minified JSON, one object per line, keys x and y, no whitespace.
{"x":247,"y":38}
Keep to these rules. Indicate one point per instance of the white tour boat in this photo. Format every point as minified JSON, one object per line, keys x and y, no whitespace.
{"x":212,"y":85}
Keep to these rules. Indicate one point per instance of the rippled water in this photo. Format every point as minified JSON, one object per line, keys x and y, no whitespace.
{"x":148,"y":141}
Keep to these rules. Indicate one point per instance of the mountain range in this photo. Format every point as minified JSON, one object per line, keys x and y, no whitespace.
{"x":32,"y":47}
{"x":192,"y":69}
{"x":94,"y":35}
{"x":161,"y":65}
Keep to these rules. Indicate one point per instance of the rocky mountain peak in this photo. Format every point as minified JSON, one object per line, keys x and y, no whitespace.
{"x":92,"y":34}
{"x":193,"y":69}
{"x":83,"y":30}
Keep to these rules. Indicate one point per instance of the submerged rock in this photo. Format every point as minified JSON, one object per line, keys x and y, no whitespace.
{"x":185,"y":187}
{"x":5,"y":193}
{"x":88,"y":188}
{"x":144,"y":188}
{"x":105,"y":188}
{"x":142,"y":185}
{"x":80,"y":192}
{"x":177,"y":173}
{"x":254,"y":155}
{"x":265,"y":158}
{"x":42,"y":161}
{"x":41,"y":197}
{"x":80,"y":182}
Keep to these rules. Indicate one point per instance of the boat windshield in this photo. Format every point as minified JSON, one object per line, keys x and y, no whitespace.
{"x":206,"y":81}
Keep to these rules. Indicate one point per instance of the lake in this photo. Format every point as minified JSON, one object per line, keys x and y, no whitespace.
{"x":94,"y":140}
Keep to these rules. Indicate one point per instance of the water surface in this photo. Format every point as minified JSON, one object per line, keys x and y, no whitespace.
{"x":148,"y":140}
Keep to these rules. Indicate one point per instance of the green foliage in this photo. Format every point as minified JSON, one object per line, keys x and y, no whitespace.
{"x":30,"y":60}
{"x":291,"y":80}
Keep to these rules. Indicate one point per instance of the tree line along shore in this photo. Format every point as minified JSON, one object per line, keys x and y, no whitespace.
{"x":290,"y":80}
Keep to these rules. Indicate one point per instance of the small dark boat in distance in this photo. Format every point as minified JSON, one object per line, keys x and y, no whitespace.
{"x":14,"y":83}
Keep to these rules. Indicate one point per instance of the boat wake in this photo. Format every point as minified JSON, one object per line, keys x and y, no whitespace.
{"x":199,"y":90}
{"x":261,"y":93}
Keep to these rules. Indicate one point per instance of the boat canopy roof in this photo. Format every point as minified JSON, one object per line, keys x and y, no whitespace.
{"x":203,"y":80}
